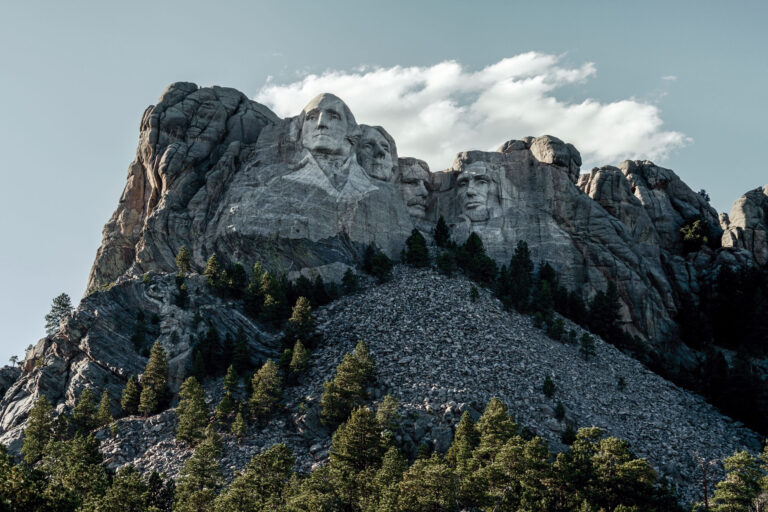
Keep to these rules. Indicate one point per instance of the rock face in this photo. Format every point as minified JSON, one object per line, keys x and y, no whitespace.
{"x":305,"y":195}
{"x":94,"y":347}
{"x":747,"y":225}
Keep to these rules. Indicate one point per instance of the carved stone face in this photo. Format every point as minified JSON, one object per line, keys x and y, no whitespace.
{"x":326,"y":126}
{"x":413,"y":184}
{"x":375,"y":154}
{"x":473,"y":185}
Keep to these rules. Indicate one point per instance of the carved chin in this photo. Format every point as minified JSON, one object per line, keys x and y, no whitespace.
{"x":380,"y":172}
{"x":417,"y":210}
{"x":477,"y":214}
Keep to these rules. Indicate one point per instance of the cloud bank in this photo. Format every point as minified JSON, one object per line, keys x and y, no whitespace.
{"x":436,"y":111}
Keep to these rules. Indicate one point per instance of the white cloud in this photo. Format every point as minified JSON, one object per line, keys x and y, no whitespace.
{"x":669,"y":78}
{"x":436,"y":111}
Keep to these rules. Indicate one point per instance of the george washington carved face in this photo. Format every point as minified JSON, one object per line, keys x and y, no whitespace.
{"x":473,"y":185}
{"x":327,"y":125}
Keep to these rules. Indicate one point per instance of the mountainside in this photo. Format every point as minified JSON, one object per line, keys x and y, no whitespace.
{"x":630,"y":252}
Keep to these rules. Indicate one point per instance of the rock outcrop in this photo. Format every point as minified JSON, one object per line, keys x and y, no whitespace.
{"x":94,"y":347}
{"x":747,"y":225}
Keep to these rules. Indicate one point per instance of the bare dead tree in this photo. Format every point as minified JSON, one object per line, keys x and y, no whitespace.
{"x":704,"y":465}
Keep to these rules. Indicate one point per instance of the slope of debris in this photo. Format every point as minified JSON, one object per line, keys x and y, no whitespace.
{"x":440,"y":353}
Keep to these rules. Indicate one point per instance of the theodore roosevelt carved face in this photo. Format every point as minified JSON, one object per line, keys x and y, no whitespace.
{"x":473,"y":185}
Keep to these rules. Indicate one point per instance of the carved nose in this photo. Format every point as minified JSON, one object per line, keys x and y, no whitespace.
{"x":378,"y":153}
{"x":422,"y":191}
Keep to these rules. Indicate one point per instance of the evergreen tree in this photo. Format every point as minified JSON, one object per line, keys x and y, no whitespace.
{"x":60,"y":308}
{"x":301,"y":324}
{"x":368,"y":254}
{"x":154,"y":382}
{"x":381,"y":267}
{"x":240,"y":358}
{"x":429,"y":485}
{"x":84,"y":413}
{"x":75,"y":472}
{"x":442,"y":233}
{"x":299,"y":358}
{"x":231,"y":379}
{"x":160,"y":495}
{"x":393,"y":466}
{"x":130,"y":397}
{"x":446,"y":263}
{"x":349,"y":281}
{"x":386,"y":414}
{"x":192,"y":412}
{"x":465,"y":440}
{"x":741,"y":486}
{"x":212,"y":270}
{"x":548,"y":388}
{"x":198,"y":365}
{"x":226,"y":406}
{"x":262,"y":485}
{"x":128,"y":493}
{"x":39,"y":430}
{"x":472,"y":259}
{"x":201,"y":476}
{"x":495,"y":427}
{"x":254,"y":295}
{"x":416,"y":253}
{"x":104,"y":414}
{"x":347,"y":388}
{"x":183,"y":260}
{"x":267,"y":389}
{"x":239,"y":426}
{"x":587,"y":346}
{"x":357,"y":444}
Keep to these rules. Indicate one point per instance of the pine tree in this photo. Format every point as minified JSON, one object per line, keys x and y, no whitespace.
{"x":128,"y":493}
{"x":267,"y":389}
{"x":231,"y":379}
{"x":587,"y":346}
{"x":442,"y":233}
{"x":60,"y":308}
{"x":262,"y":486}
{"x":130,"y":397}
{"x":201,"y":476}
{"x":299,"y":358}
{"x":84,"y":413}
{"x":465,"y":440}
{"x":212,"y":270}
{"x":357,"y":444}
{"x":39,"y":430}
{"x":548,"y":388}
{"x":154,"y":382}
{"x":254,"y":295}
{"x":741,"y":485}
{"x":226,"y":406}
{"x":386,"y":414}
{"x":104,"y":414}
{"x":495,"y":427}
{"x":74,"y":472}
{"x":347,"y":388}
{"x":160,"y":495}
{"x":429,"y":485}
{"x":416,"y":253}
{"x":301,"y":324}
{"x":240,"y":358}
{"x":239,"y":426}
{"x":192,"y":412}
{"x":183,"y":260}
{"x":349,"y":281}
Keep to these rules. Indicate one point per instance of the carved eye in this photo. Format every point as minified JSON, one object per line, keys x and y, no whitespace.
{"x":335,"y":116}
{"x":367,"y":145}
{"x":312,"y":116}
{"x":463,"y":183}
{"x":385,"y":147}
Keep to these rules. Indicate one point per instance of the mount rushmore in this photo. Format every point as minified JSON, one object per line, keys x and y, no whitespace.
{"x":223,"y":174}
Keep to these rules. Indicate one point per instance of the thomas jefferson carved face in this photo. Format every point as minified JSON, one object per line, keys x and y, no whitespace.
{"x":375,"y":154}
{"x":473,"y":185}
{"x":327,"y":122}
{"x":413,"y":184}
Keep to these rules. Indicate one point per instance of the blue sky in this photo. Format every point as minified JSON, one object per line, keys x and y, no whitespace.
{"x":75,"y":78}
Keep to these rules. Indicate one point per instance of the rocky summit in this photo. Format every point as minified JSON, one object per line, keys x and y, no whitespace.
{"x":309,"y":198}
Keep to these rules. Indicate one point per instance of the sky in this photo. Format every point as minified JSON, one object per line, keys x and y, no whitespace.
{"x":681,"y":83}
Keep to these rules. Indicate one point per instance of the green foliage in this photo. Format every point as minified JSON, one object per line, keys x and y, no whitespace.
{"x":84,"y":413}
{"x":347,"y":388}
{"x":429,"y":485}
{"x":466,"y":439}
{"x":442,"y":233}
{"x":381,"y":267}
{"x":556,"y":328}
{"x":239,"y":425}
{"x":128,"y":493}
{"x":515,"y":283}
{"x":548,"y":388}
{"x":386,"y":414}
{"x":559,"y":411}
{"x":212,"y":270}
{"x":267,"y":390}
{"x":262,"y":486}
{"x":474,"y":294}
{"x":226,"y":406}
{"x":299,"y":358}
{"x":192,"y":412}
{"x":495,"y":427}
{"x":301,"y":325}
{"x":693,"y":236}
{"x":183,"y":260}
{"x":154,"y":382}
{"x":349,"y":281}
{"x":104,"y":414}
{"x":446,"y":263}
{"x":182,"y":296}
{"x":129,"y":400}
{"x":74,"y":471}
{"x":416,"y":253}
{"x":160,"y":495}
{"x":737,"y":492}
{"x":241,"y":360}
{"x":61,"y":307}
{"x":357,"y":443}
{"x":201,"y":477}
{"x":471,"y":258}
{"x":39,"y":430}
{"x":587,"y":346}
